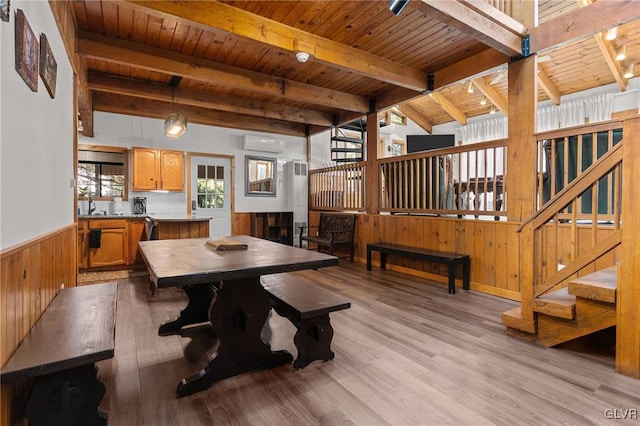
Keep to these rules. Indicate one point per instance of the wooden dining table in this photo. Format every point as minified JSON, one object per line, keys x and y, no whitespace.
{"x":223,"y":289}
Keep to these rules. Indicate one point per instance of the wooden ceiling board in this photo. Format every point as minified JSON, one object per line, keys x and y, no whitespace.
{"x":550,"y":9}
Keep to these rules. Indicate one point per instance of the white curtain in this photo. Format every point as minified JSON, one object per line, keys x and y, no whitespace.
{"x":487,"y":130}
{"x":569,"y":114}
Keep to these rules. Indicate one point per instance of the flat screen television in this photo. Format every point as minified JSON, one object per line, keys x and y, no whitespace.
{"x":417,"y":143}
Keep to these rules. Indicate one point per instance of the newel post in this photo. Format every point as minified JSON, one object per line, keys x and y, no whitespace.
{"x":628,"y":291}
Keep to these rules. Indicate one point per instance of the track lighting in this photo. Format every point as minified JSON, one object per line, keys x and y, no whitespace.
{"x":621,"y":53}
{"x":470,"y":88}
{"x":628,"y":71}
{"x":483,"y":101}
{"x":611,"y":34}
{"x":493,"y":109}
{"x":396,"y":6}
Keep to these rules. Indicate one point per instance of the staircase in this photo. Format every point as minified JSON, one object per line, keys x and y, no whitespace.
{"x":345,"y":149}
{"x":587,"y":305}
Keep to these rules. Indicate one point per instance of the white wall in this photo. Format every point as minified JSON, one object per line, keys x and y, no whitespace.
{"x":128,"y":131}
{"x":36,"y":138}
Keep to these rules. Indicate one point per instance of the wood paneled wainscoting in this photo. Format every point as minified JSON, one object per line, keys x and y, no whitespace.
{"x":32,"y":274}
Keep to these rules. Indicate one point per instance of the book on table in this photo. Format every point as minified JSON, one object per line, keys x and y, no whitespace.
{"x":222,"y":244}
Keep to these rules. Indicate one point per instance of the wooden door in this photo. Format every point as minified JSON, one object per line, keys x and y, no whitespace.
{"x":172,"y":170}
{"x":145,"y":167}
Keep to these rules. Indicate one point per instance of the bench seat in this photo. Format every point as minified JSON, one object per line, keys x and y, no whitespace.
{"x":74,"y":332}
{"x":334,"y":230}
{"x":451,"y":259}
{"x":307,"y":306}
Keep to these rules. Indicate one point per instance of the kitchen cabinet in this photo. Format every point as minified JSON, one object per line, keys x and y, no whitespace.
{"x":136,"y":233}
{"x":114,"y":243}
{"x":83,"y":244}
{"x":157,"y":169}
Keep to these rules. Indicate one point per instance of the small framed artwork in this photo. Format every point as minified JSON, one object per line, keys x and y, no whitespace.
{"x":27,"y":51}
{"x":48,"y":66}
{"x":4,"y":10}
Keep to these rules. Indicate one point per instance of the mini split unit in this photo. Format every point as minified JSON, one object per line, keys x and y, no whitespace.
{"x":259,"y":143}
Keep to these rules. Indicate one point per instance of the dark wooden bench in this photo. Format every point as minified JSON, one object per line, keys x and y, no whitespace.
{"x":307,"y":306}
{"x":334,"y":230}
{"x":59,"y":354}
{"x":451,"y":259}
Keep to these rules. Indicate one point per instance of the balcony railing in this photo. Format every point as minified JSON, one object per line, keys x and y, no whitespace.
{"x":465,"y":180}
{"x":337,"y":188}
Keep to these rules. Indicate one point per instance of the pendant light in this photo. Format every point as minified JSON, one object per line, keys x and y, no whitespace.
{"x":175,"y":125}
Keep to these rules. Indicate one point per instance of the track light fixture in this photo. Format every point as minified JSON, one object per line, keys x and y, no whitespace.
{"x":611,"y":34}
{"x":396,"y":6}
{"x":483,"y":101}
{"x":621,"y":53}
{"x":470,"y":88}
{"x":628,"y":71}
{"x":493,"y":109}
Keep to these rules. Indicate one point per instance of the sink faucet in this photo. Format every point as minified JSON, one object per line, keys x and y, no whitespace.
{"x":92,"y":205}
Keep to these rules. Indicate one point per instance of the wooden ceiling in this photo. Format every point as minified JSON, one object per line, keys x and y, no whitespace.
{"x":233,"y":63}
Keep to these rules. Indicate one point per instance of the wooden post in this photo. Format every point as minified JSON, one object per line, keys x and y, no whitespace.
{"x":628,"y":292}
{"x":372,"y":194}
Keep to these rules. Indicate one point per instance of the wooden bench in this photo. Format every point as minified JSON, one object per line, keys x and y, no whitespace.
{"x":451,"y":259}
{"x":335,"y":229}
{"x":307,"y":306}
{"x":59,"y":354}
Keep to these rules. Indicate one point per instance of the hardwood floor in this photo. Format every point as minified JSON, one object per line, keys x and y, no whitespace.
{"x":407,"y":353}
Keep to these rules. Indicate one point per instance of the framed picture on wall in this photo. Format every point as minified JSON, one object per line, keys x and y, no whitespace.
{"x":48,"y":66}
{"x":4,"y":10}
{"x":27,"y":51}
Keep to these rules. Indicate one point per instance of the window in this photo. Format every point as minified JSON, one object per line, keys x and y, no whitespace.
{"x":102,"y":174}
{"x":398,"y":147}
{"x":210,"y":187}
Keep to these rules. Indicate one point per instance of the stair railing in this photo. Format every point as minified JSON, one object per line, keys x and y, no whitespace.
{"x":338,"y":187}
{"x":579,"y":225}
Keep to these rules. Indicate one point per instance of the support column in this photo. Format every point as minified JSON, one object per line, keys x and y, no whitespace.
{"x":628,"y":291}
{"x":372,"y":180}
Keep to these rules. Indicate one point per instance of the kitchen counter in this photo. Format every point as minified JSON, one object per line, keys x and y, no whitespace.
{"x":160,"y":217}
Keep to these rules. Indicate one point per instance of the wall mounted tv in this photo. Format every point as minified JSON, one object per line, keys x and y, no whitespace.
{"x":417,"y":143}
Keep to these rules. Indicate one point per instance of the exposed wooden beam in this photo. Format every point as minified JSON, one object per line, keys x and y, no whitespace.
{"x":85,"y":100}
{"x":197,"y":98}
{"x":475,"y":65}
{"x":547,"y":85}
{"x":492,"y":94}
{"x":120,"y":104}
{"x":153,"y":59}
{"x":608,"y":53}
{"x":497,"y":16}
{"x":584,"y":22}
{"x":468,"y":21}
{"x":416,"y":117}
{"x":449,"y":108}
{"x":232,"y":20}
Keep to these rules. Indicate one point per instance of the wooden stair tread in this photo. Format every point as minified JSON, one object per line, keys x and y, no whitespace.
{"x":559,"y":304}
{"x":513,"y":319}
{"x":600,"y":285}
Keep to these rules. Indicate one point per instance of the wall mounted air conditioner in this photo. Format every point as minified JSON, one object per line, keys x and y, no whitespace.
{"x":261,"y":143}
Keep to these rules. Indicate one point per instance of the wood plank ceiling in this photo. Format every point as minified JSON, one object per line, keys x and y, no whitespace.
{"x":233,"y":63}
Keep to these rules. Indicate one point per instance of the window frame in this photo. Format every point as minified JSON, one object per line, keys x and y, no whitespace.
{"x":105,"y":148}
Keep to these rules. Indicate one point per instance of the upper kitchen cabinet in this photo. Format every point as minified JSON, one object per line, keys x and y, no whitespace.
{"x":156,"y":169}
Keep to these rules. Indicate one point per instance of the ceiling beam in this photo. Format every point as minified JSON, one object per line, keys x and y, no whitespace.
{"x":416,"y":117}
{"x":609,"y":55}
{"x":153,"y":59}
{"x":547,"y":85}
{"x":202,"y":99}
{"x":235,"y":21}
{"x":497,"y":16}
{"x":584,"y":22}
{"x":468,"y":21}
{"x":120,"y":104}
{"x":449,"y":108}
{"x":492,"y":94}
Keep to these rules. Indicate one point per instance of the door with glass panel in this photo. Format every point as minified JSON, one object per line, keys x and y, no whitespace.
{"x":211,"y":192}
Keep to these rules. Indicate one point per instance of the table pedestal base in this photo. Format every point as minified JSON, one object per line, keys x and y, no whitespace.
{"x":238,"y":312}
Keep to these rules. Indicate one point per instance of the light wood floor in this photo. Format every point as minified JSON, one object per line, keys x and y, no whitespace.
{"x":407,"y":353}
